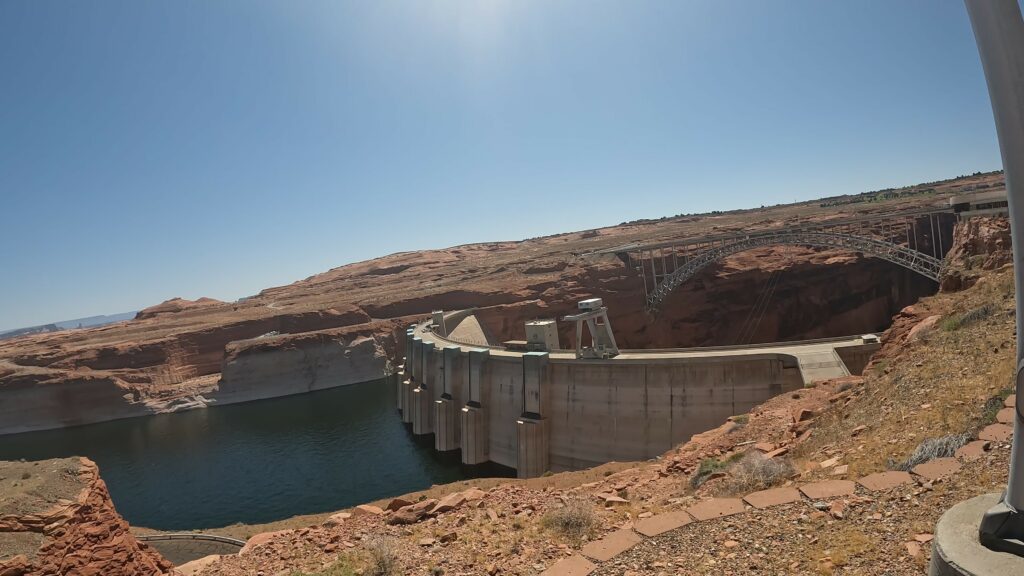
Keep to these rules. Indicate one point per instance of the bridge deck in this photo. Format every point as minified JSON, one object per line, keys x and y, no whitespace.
{"x":837,"y":223}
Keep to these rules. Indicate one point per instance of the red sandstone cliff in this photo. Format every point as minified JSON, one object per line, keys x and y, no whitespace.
{"x":978,"y":244}
{"x":57,"y":518}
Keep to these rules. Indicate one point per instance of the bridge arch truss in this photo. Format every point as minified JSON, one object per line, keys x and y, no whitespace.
{"x":923,"y":264}
{"x":914,"y":239}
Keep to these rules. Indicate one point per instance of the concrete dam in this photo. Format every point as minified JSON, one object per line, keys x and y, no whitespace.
{"x":538,"y":410}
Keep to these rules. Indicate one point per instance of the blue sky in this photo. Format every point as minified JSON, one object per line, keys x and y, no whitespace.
{"x":192,"y":148}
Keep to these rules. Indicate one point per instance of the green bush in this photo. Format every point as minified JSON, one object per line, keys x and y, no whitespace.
{"x":709,"y":466}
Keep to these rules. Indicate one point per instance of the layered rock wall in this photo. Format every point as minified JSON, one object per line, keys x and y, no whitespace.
{"x":280,"y":366}
{"x":80,"y":536}
{"x":46,"y":399}
{"x":273,"y":356}
{"x":978,"y":244}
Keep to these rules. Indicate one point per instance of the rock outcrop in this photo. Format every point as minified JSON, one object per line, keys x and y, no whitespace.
{"x":174,"y":306}
{"x":69,"y":386}
{"x":278,"y":365}
{"x":978,"y":244}
{"x":57,"y":518}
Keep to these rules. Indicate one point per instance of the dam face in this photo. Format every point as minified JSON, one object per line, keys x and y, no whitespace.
{"x":551,"y":411}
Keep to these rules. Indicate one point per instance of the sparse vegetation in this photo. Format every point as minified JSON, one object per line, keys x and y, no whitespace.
{"x":383,"y":557}
{"x":952,"y":323}
{"x":573,"y":521}
{"x":992,"y":407}
{"x":755,"y":472}
{"x":342,"y":567}
{"x":941,"y":447}
{"x":709,"y":466}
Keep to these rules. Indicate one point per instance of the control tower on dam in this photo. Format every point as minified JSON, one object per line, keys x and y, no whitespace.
{"x":535,"y":407}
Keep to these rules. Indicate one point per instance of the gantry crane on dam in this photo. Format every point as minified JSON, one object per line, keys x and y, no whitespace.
{"x":914,"y":239}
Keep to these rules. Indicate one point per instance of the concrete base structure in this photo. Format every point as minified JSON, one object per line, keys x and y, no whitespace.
{"x":422,"y":412}
{"x":956,"y":550}
{"x":474,"y":435}
{"x":405,"y":400}
{"x":399,"y":377}
{"x":444,"y":425}
{"x":532,"y":452}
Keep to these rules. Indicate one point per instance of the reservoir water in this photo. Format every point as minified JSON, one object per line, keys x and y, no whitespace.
{"x":254,"y":462}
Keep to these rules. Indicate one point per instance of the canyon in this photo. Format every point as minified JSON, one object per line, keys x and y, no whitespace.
{"x":348,"y":325}
{"x":343,"y":326}
{"x":843,"y":503}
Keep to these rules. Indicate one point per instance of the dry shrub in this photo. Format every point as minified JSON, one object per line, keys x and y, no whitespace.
{"x":941,"y":447}
{"x":574,"y":520}
{"x":383,"y":556}
{"x":755,"y":472}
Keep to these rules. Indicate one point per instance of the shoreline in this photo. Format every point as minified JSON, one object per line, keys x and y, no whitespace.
{"x":244,"y":531}
{"x":183,"y":404}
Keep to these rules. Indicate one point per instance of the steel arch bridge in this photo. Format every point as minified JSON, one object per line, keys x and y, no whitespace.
{"x":924,"y":264}
{"x":915,"y":240}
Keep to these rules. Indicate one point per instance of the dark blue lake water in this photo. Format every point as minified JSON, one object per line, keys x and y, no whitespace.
{"x":254,"y":462}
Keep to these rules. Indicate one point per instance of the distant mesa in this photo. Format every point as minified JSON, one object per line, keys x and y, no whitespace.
{"x":175,"y":305}
{"x":30,"y":330}
{"x":88,"y":322}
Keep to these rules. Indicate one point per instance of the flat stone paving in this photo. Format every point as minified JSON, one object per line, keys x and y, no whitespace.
{"x":611,"y":545}
{"x":575,"y":565}
{"x":716,"y":508}
{"x":828,"y":489}
{"x":1006,"y":415}
{"x":662,"y":523}
{"x":880,"y":481}
{"x":772,"y":497}
{"x":996,"y":433}
{"x":937,"y":468}
{"x":972,"y":450}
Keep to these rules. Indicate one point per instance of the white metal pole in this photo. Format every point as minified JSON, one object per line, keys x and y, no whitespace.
{"x":999,"y":32}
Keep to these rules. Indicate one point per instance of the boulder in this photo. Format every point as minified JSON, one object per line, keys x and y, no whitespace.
{"x":367,"y":510}
{"x":923,"y":327}
{"x":397,"y":503}
{"x":257,"y":540}
{"x":336,"y":519}
{"x":449,"y":502}
{"x":413,"y":513}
